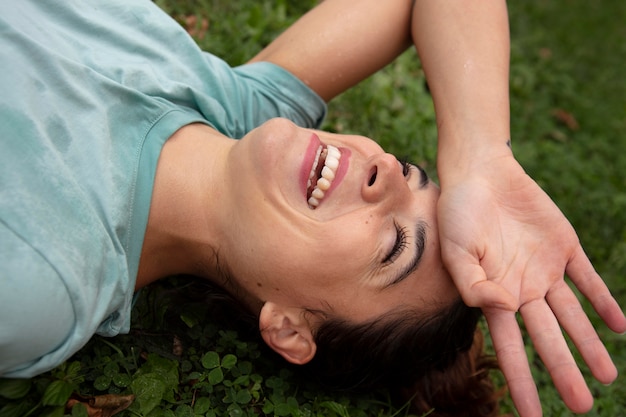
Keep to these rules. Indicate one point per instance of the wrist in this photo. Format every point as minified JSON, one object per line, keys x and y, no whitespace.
{"x":457,"y":160}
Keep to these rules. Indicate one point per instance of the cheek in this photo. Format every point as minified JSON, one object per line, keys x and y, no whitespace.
{"x":321,"y":269}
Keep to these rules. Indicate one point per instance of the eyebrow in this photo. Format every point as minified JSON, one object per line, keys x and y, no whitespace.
{"x":418,"y":254}
{"x":423,"y":176}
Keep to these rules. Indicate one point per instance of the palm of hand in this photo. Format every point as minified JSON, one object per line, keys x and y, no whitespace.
{"x":508,"y":246}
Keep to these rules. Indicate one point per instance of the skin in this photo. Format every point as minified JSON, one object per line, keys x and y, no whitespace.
{"x":332,"y":255}
{"x":515,"y":260}
{"x":505,"y":243}
{"x":293,"y":258}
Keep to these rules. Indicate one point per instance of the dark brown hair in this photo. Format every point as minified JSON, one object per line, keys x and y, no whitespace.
{"x":436,"y":361}
{"x":394,"y":349}
{"x":464,"y":389}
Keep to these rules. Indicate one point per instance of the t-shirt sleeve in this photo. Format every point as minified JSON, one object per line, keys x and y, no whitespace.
{"x":237,"y":100}
{"x":275,"y":92}
{"x":36,"y":312}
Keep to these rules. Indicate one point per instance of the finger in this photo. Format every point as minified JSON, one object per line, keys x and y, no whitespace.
{"x":549,"y":342}
{"x":474,"y":287}
{"x":587,"y":280}
{"x":574,"y":320}
{"x":509,"y":348}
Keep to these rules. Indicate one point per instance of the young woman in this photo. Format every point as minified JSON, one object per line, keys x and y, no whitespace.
{"x":120,"y":167}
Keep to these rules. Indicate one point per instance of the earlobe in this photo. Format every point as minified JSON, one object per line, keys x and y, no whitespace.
{"x":287,"y":332}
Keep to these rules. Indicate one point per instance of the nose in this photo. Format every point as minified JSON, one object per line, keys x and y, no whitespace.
{"x":384,"y":179}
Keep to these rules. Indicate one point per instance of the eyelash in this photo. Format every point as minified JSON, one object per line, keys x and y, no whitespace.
{"x":398,"y":247}
{"x":406,"y":166}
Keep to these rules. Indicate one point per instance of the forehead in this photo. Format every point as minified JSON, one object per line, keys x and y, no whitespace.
{"x":364,"y":305}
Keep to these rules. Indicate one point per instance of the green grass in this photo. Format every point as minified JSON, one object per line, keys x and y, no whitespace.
{"x":571,"y":55}
{"x":568,"y":102}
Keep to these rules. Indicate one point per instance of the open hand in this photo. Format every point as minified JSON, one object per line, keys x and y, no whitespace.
{"x":507,"y":247}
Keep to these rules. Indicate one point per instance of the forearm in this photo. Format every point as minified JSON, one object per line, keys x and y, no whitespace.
{"x":341,"y":42}
{"x":464,"y":47}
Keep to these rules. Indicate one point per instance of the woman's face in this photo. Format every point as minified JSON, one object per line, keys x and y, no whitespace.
{"x":366,"y":245}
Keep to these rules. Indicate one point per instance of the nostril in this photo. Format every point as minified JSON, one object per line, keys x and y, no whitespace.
{"x":372,"y":178}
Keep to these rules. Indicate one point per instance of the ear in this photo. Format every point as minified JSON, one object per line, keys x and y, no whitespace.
{"x":287,"y":332}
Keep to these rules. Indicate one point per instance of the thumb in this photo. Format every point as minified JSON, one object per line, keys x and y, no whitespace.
{"x":488,"y":294}
{"x":475,"y":289}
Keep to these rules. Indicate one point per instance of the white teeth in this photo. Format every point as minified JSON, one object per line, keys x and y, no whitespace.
{"x":317,"y":193}
{"x":323,"y":184}
{"x":333,"y":155}
{"x":328,"y":173}
{"x":334,"y":152}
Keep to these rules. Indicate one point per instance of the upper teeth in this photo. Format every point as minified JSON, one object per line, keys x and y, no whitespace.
{"x":328,"y":172}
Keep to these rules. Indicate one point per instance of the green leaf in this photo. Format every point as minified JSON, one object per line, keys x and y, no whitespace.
{"x":148,"y":390}
{"x":335,"y":407}
{"x":189,"y":320}
{"x":158,"y":412}
{"x":166,"y":371}
{"x":293,"y":403}
{"x":121,"y":380}
{"x":235,"y":411}
{"x":13,"y":389}
{"x":245,"y":367}
{"x":111,"y":369}
{"x":202,"y":405}
{"x":282,"y":409}
{"x":184,"y":410}
{"x":73,"y":369}
{"x":211,"y":360}
{"x":79,"y":410}
{"x":243,"y":397}
{"x":102,"y":382}
{"x":15,"y":410}
{"x":268,"y":407}
{"x":194,"y":376}
{"x":216,"y":376}
{"x":242,"y":380}
{"x":57,"y":393}
{"x":229,"y":361}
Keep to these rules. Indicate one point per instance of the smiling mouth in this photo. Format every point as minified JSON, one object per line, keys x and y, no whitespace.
{"x":322,"y":174}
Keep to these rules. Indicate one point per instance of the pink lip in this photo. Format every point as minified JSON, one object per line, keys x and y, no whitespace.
{"x":307,"y":162}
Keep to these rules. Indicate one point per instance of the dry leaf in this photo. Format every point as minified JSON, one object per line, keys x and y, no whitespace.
{"x":196,"y":28}
{"x":102,"y":405}
{"x":177,"y":347}
{"x":566,"y":118}
{"x":545,"y":53}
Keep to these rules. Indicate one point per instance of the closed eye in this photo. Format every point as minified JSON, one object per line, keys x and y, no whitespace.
{"x":408,"y":166}
{"x":418,"y":254}
{"x":399,"y":245}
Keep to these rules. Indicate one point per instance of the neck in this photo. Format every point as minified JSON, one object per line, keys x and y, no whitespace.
{"x":181,"y":235}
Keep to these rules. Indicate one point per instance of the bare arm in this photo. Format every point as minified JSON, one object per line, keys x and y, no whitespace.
{"x":504,"y":241}
{"x":464,"y":47}
{"x":506,"y":244}
{"x":341,"y":42}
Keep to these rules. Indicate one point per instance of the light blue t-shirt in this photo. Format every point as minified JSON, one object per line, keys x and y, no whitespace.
{"x":89,"y":93}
